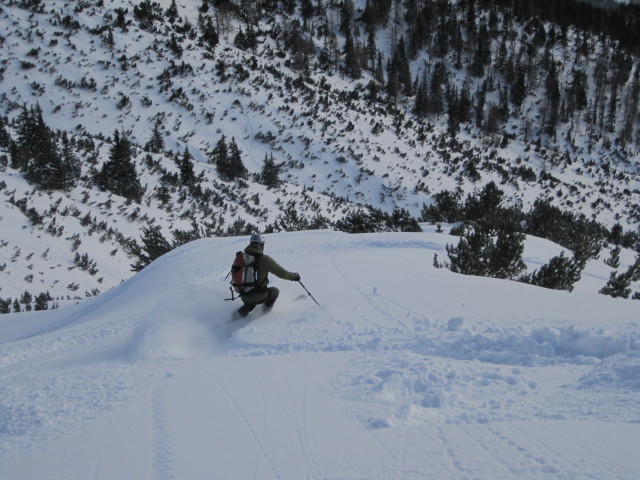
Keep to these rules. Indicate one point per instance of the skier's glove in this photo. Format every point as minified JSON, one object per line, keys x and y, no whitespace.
{"x":296,"y":277}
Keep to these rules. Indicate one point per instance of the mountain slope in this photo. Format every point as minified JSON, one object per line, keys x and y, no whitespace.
{"x":404,"y":371}
{"x":95,"y":68}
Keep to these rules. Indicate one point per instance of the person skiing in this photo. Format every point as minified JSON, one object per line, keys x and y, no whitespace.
{"x":262,"y":293}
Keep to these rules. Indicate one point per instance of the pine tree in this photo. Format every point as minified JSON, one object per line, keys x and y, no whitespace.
{"x":471,"y":255}
{"x":371,"y":49}
{"x":464,"y":104}
{"x":421,"y":105}
{"x":480,"y":252}
{"x":453,"y":113}
{"x":393,"y":82}
{"x":479,"y":54}
{"x":346,"y":16}
{"x":307,"y":10}
{"x":121,"y":18}
{"x":38,"y":156}
{"x":614,"y":260}
{"x":400,"y":69}
{"x":616,"y":235}
{"x":172,"y":12}
{"x":33,"y":5}
{"x":481,"y":100}
{"x":486,"y":206}
{"x":369,"y":16}
{"x":447,"y":208}
{"x":70,"y":161}
{"x":618,"y":286}
{"x":209,"y":35}
{"x":352,"y":58}
{"x":228,"y":160}
{"x":156,"y":142}
{"x":5,"y":305}
{"x":42,"y":301}
{"x":236,"y":166}
{"x":147,"y":12}
{"x":220,"y":153}
{"x":401,"y":221}
{"x":561,"y":273}
{"x":118,"y":174}
{"x":506,"y":256}
{"x":185,"y":164}
{"x":5,"y":138}
{"x":270,"y":173}
{"x":553,"y":100}
{"x":154,"y":245}
{"x":379,"y":72}
{"x":438,"y":86}
{"x":519,"y":85}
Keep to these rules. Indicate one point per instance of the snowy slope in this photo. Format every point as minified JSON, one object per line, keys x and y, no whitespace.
{"x":404,"y":371}
{"x":338,"y":148}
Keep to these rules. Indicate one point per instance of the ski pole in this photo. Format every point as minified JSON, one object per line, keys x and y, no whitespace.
{"x":305,"y":289}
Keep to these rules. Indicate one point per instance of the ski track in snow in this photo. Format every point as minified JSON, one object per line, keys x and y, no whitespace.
{"x":250,"y":428}
{"x":299,"y":419}
{"x":434,"y":373}
{"x":161,"y":461}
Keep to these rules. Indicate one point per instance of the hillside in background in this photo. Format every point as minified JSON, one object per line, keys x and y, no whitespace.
{"x":278,"y":115}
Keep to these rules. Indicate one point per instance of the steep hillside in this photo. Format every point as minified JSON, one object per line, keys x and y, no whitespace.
{"x":352,"y":109}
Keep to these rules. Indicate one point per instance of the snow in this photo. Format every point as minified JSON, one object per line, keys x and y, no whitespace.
{"x":404,"y":371}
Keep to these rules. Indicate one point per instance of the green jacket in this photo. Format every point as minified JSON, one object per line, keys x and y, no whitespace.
{"x":264,"y":265}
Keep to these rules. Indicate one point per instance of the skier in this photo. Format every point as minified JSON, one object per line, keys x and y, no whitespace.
{"x":264,"y":264}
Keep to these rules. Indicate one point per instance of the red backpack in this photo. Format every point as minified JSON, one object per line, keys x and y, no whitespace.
{"x":244,"y":275}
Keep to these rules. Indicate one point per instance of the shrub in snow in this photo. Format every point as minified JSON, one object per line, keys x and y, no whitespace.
{"x":375,"y":220}
{"x":154,"y":245}
{"x":560,"y":273}
{"x":483,"y":254}
{"x":575,"y":232}
{"x":619,"y":285}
